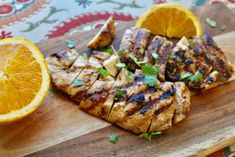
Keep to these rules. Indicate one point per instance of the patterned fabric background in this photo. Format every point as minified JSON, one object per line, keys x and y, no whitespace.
{"x":42,"y":19}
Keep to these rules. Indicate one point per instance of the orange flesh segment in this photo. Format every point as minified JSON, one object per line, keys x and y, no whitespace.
{"x":20,"y":77}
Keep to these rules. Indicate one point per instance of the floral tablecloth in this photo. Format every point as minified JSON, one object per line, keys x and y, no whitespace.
{"x":43,"y":19}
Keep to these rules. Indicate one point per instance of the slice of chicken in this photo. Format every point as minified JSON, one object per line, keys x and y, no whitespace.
{"x":105,"y":36}
{"x":161,"y":61}
{"x":182,"y":102}
{"x":88,"y":76}
{"x":61,"y":74}
{"x":153,"y":49}
{"x":62,"y":59}
{"x":133,"y":43}
{"x":94,"y":98}
{"x":123,"y":78}
{"x":127,"y":44}
{"x":217,"y":58}
{"x":141,"y":41}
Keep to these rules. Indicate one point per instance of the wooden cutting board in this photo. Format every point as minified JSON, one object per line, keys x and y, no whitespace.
{"x":59,"y":128}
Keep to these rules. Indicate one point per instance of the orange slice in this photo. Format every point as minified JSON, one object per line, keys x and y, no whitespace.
{"x":24,"y":79}
{"x":170,"y":20}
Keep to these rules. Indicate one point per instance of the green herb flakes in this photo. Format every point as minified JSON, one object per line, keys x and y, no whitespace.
{"x":211,"y":22}
{"x":150,"y":80}
{"x":155,"y":55}
{"x":70,"y":44}
{"x":119,"y":93}
{"x":185,"y":74}
{"x":77,"y":83}
{"x":121,"y":51}
{"x":179,"y":60}
{"x":150,"y":74}
{"x":121,"y":65}
{"x":110,"y":51}
{"x":113,"y":138}
{"x":103,"y":72}
{"x":171,"y":57}
{"x":150,"y":70}
{"x":136,"y":60}
{"x":148,"y":136}
{"x":223,"y":27}
{"x":85,"y":56}
{"x":196,"y":78}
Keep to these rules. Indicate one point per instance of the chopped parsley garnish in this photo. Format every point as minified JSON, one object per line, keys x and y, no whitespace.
{"x":171,"y":57}
{"x":136,"y":60}
{"x":185,"y":74}
{"x":211,"y":22}
{"x":196,"y":78}
{"x":150,"y":74}
{"x":150,"y":80}
{"x":77,"y":83}
{"x":113,"y":138}
{"x":85,"y":56}
{"x":109,"y":50}
{"x":120,"y":51}
{"x":103,"y":72}
{"x":70,"y":44}
{"x":148,"y":136}
{"x":119,"y":93}
{"x":223,"y":27}
{"x":150,"y":70}
{"x":179,"y":60}
{"x":155,"y":55}
{"x":121,"y":65}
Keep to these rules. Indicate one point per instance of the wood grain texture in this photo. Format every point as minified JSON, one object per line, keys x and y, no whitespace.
{"x":61,"y":129}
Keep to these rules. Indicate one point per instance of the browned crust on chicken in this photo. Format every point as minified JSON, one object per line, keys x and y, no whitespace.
{"x":105,"y":36}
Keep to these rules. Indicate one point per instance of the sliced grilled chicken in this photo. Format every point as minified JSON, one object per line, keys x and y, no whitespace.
{"x":182,"y":102}
{"x":105,"y":36}
{"x":64,"y":71}
{"x":133,"y":46}
{"x":152,"y":52}
{"x":161,"y":61}
{"x":62,"y":59}
{"x":95,"y":97}
{"x":124,"y":98}
{"x":99,"y":91}
{"x":127,"y":44}
{"x":141,"y":43}
{"x":84,"y":80}
{"x":123,"y":78}
{"x":189,"y":63}
{"x":217,"y":58}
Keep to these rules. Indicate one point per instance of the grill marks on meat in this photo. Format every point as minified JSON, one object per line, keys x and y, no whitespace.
{"x":217,"y":58}
{"x":127,"y":101}
{"x":134,"y":42}
{"x":161,"y":61}
{"x":201,"y":56}
{"x":64,"y":67}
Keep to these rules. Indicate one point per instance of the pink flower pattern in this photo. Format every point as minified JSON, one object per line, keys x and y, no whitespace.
{"x":4,"y":35}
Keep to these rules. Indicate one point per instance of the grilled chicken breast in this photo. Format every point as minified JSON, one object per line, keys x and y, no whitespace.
{"x":126,"y":99}
{"x":200,"y":64}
